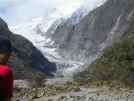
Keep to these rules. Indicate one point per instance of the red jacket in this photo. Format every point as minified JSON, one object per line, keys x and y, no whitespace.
{"x":6,"y":81}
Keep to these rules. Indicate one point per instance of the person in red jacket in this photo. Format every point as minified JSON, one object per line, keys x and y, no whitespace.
{"x":6,"y":75}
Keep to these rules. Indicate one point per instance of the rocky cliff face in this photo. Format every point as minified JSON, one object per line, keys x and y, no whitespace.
{"x":26,"y":60}
{"x":84,"y":40}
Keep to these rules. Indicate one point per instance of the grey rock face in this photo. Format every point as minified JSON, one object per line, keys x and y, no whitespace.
{"x":95,"y":31}
{"x":30,"y":56}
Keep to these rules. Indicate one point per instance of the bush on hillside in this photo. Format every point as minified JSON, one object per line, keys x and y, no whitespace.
{"x":116,"y":63}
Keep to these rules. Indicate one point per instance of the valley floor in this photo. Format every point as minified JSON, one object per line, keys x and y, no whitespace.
{"x":62,"y":90}
{"x":93,"y":94}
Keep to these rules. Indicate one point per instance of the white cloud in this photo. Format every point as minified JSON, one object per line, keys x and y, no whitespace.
{"x":17,"y":11}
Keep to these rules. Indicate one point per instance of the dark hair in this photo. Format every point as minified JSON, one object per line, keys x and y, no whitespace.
{"x":5,"y":45}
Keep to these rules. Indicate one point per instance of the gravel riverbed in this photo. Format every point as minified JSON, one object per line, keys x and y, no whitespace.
{"x":92,"y":94}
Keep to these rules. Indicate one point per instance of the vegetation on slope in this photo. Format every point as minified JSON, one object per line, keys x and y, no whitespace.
{"x":116,"y":63}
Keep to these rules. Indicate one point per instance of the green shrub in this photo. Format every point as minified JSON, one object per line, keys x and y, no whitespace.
{"x":116,"y":63}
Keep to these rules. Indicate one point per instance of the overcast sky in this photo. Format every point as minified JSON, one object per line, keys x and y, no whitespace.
{"x":17,"y":11}
{"x":20,"y":10}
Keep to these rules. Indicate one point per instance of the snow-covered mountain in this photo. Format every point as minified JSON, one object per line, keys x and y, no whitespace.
{"x":86,"y":39}
{"x":40,"y":30}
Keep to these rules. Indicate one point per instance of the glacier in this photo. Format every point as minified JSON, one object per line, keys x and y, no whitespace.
{"x":36,"y":30}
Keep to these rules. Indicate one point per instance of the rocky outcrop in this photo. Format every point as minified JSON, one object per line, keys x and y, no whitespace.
{"x":94,"y":32}
{"x":26,"y":60}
